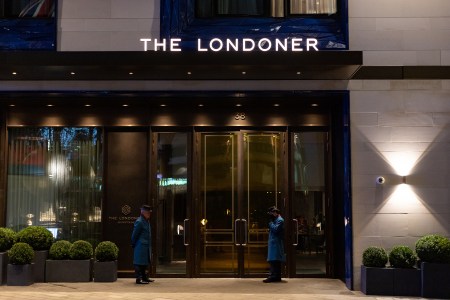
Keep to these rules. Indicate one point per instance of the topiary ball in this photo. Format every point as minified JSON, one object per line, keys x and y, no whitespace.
{"x":106,"y":251}
{"x":21,"y":254}
{"x":39,"y":238}
{"x":60,"y":250}
{"x":375,"y":257}
{"x":402,"y":257}
{"x":81,"y":250}
{"x":7,"y":238}
{"x":433,"y":248}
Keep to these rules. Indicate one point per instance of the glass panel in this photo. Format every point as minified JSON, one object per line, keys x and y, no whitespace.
{"x":217,"y":214}
{"x":27,"y":8}
{"x":171,"y":203}
{"x":208,"y":8}
{"x":313,"y":6}
{"x":55,"y":181}
{"x":309,"y":201}
{"x":262,"y":172}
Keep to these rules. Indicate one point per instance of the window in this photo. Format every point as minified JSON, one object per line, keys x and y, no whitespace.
{"x":27,"y":8}
{"x":268,"y":8}
{"x":55,"y":180}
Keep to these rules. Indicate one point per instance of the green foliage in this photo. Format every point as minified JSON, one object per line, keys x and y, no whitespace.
{"x":60,"y":250}
{"x":106,"y":251}
{"x":402,"y":257}
{"x":39,"y":238}
{"x":433,"y":248}
{"x":21,"y":254}
{"x":7,"y":238}
{"x":375,"y":257}
{"x":81,"y":250}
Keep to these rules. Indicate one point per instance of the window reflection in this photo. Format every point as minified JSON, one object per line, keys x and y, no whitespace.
{"x":55,"y":180}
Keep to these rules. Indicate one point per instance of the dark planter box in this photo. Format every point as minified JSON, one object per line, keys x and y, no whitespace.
{"x":407,"y":282}
{"x":20,"y":274}
{"x":68,"y":270}
{"x":39,"y":265}
{"x":377,"y":281}
{"x":3,"y":264}
{"x":105,"y":271}
{"x":435,"y":280}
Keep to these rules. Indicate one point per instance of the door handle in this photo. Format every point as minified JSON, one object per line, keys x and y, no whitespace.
{"x":296,"y":232}
{"x":184,"y":231}
{"x":245,"y":232}
{"x":236,"y":231}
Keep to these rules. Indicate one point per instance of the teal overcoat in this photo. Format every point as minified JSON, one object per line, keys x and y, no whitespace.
{"x":276,"y":240}
{"x":141,"y":241}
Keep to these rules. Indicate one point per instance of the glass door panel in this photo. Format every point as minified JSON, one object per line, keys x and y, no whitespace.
{"x":171,"y":203}
{"x":262,"y":182}
{"x":240,"y":178}
{"x":309,"y":202}
{"x":218,"y":252}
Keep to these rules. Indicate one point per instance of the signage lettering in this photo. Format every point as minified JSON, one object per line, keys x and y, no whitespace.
{"x":244,"y":45}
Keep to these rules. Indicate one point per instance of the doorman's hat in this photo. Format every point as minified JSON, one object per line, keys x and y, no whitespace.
{"x":273,"y":209}
{"x":146,"y":207}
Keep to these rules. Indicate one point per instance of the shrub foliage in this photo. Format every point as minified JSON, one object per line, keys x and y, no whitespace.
{"x":374,"y":257}
{"x":21,"y":254}
{"x":7,"y":238}
{"x":60,"y":250}
{"x":402,"y":257}
{"x":433,"y":248}
{"x":81,"y":250}
{"x":106,"y":251}
{"x":39,"y":238}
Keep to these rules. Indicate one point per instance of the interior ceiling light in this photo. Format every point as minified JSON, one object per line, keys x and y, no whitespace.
{"x":72,"y":73}
{"x":162,"y":105}
{"x":243,"y":72}
{"x":14,"y":73}
{"x":12,"y":105}
{"x":130,"y":73}
{"x":50,"y":105}
{"x":189,"y":73}
{"x":238,"y":105}
{"x":200,"y":105}
{"x":299,"y":73}
{"x":314,"y":104}
{"x":124,"y":105}
{"x":87,"y":105}
{"x":276,"y":105}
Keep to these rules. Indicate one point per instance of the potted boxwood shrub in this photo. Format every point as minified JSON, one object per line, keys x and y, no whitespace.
{"x":20,"y":267}
{"x":7,"y":239}
{"x":407,"y":278}
{"x":434,"y":254}
{"x":75,"y":257}
{"x":40,"y":239}
{"x":105,"y":264}
{"x":376,"y":279}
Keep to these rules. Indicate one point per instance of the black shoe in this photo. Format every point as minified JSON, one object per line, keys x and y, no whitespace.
{"x":141,"y":281}
{"x":268,"y":280}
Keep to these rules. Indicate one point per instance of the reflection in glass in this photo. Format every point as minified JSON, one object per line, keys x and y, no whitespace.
{"x":171,"y":203}
{"x":55,"y":180}
{"x":309,"y":201}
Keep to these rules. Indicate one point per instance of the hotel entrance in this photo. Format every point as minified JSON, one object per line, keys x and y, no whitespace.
{"x":213,"y":191}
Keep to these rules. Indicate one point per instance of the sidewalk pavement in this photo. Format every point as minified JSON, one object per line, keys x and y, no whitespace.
{"x":191,"y":289}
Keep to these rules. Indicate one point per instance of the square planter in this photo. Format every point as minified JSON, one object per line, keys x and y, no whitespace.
{"x":435,"y":280}
{"x":40,"y":257}
{"x":20,"y":275}
{"x":3,"y":264}
{"x":377,"y":281}
{"x":68,"y":270}
{"x":407,"y":282}
{"x":105,"y":271}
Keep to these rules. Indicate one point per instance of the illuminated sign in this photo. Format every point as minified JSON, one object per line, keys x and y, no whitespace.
{"x":228,"y":45}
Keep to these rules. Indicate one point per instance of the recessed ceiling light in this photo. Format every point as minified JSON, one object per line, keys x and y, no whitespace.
{"x":162,"y":105}
{"x":238,"y":104}
{"x":87,"y":105}
{"x":72,"y":73}
{"x":243,"y":72}
{"x":276,"y":105}
{"x":124,"y":105}
{"x":12,"y":105}
{"x":189,"y":73}
{"x":130,"y":73}
{"x":200,"y":105}
{"x":50,"y":105}
{"x":314,"y":104}
{"x":14,"y":73}
{"x":299,"y":73}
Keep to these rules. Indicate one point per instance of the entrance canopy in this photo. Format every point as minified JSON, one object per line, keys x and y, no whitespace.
{"x":156,"y":65}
